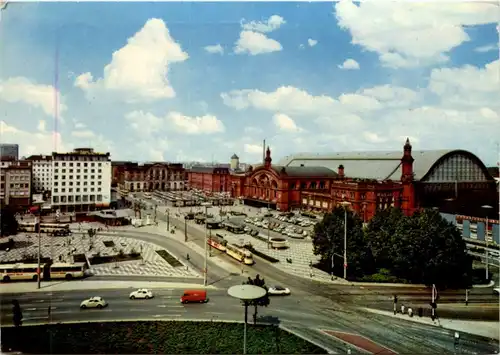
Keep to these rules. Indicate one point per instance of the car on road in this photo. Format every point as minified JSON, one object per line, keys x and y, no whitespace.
{"x":279,"y":291}
{"x":94,"y":302}
{"x":194,"y":296}
{"x":141,"y":293}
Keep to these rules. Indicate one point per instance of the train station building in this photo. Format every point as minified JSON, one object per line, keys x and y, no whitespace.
{"x":454,"y":181}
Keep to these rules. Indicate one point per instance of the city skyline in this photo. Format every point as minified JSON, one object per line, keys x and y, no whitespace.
{"x":159,"y":84}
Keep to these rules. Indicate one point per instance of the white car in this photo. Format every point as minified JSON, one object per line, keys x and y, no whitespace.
{"x":141,"y":293}
{"x":94,"y":302}
{"x":278,"y":291}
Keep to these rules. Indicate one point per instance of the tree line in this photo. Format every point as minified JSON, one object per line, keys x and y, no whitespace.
{"x":421,"y":249}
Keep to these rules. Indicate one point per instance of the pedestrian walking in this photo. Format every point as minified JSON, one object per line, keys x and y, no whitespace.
{"x":410,"y":311}
{"x":402,"y":309}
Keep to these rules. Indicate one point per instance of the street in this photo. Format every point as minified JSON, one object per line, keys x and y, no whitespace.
{"x":297,"y":312}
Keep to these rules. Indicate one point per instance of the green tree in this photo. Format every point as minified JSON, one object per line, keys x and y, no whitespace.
{"x":8,"y":221}
{"x":428,"y":249}
{"x":328,"y":240}
{"x":379,"y":235}
{"x":260,"y":302}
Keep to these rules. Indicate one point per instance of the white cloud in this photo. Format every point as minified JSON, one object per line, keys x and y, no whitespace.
{"x":409,"y":34}
{"x":215,"y":49}
{"x":31,"y":142}
{"x":349,"y":64}
{"x":296,"y":102}
{"x":467,"y":86}
{"x":253,"y":130}
{"x":285,"y":123}
{"x":487,"y":48}
{"x":87,"y":133}
{"x":271,"y":24}
{"x":146,"y":124}
{"x":42,"y":125}
{"x":312,"y":42}
{"x":255,"y":43}
{"x":139,"y":69}
{"x":22,"y":90}
{"x":206,"y":124}
{"x":252,"y":148}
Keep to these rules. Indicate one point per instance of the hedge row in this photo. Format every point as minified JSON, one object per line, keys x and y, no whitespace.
{"x":169,"y":258}
{"x":153,"y":338}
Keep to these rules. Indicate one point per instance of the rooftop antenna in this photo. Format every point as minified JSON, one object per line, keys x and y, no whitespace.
{"x":56,"y":93}
{"x":264,"y":151}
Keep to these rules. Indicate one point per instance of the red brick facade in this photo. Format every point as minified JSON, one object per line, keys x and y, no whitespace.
{"x":209,"y":179}
{"x":311,"y":188}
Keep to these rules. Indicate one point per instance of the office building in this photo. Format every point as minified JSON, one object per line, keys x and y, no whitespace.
{"x":81,"y":180}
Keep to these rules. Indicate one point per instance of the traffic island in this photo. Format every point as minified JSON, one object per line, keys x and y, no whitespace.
{"x":167,"y":337}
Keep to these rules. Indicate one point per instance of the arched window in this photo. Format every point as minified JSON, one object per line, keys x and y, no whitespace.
{"x":457,"y":167}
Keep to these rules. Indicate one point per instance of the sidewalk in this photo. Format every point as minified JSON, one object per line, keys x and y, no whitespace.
{"x":481,"y":328}
{"x":83,"y":285}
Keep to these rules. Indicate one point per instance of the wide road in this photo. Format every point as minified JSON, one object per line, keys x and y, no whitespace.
{"x":295,"y":312}
{"x":374,"y":296}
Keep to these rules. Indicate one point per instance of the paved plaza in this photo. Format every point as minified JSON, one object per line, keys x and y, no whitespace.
{"x":62,"y":248}
{"x":299,"y":251}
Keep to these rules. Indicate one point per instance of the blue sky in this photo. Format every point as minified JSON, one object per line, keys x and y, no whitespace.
{"x":201,"y":81}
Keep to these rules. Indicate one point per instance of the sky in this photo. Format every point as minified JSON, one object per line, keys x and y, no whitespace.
{"x":162,"y":81}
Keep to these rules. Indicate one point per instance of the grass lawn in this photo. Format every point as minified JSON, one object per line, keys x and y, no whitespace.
{"x":168,"y":337}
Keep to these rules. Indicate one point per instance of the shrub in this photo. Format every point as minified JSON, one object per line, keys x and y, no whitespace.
{"x":153,"y":338}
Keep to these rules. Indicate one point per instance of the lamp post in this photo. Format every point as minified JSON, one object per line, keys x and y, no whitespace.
{"x":39,"y":274}
{"x":345,"y":204}
{"x":206,"y":204}
{"x":487,"y":207}
{"x":246,"y":293}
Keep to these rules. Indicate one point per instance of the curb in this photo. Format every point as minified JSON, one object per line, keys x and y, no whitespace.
{"x":297,"y":334}
{"x":106,"y":288}
{"x":431,"y":323}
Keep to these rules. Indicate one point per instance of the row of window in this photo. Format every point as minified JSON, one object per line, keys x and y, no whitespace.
{"x":70,"y":177}
{"x":72,"y":199}
{"x":77,"y":189}
{"x":78,"y":183}
{"x":18,"y":186}
{"x":85,"y":164}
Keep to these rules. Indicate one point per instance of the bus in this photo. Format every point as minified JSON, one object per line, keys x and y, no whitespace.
{"x":239,"y":254}
{"x":68,"y":271}
{"x":234,"y":228}
{"x":217,"y":242}
{"x":51,"y":228}
{"x":20,"y":271}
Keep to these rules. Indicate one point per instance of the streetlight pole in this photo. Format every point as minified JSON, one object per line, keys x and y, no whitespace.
{"x":345,"y":243}
{"x":206,"y":247}
{"x":345,"y":204}
{"x":39,"y":252}
{"x":168,"y":220}
{"x":486,"y":207}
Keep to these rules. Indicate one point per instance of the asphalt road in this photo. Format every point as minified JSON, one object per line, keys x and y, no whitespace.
{"x":379,"y":297}
{"x":295,"y":312}
{"x":339,"y":304}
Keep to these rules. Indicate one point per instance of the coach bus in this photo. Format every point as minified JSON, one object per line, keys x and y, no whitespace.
{"x":52,"y":228}
{"x":13,"y":272}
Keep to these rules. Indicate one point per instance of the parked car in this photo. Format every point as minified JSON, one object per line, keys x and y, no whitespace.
{"x":278,"y":291}
{"x":94,"y":302}
{"x":141,"y":293}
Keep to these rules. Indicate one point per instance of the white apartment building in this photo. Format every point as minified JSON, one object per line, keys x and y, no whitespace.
{"x":81,"y":180}
{"x":42,"y":173}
